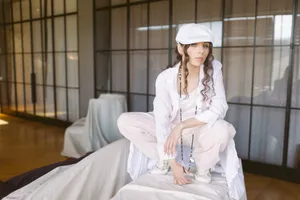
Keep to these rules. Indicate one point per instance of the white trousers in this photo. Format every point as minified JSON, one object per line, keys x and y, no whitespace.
{"x":139,"y":128}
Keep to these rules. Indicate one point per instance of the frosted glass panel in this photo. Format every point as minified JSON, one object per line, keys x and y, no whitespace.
{"x":38,"y":68}
{"x":36,"y":35}
{"x":138,"y":27}
{"x":58,"y":7}
{"x":151,"y":99}
{"x":138,"y":72}
{"x":72,"y":69}
{"x":20,"y":95}
{"x":158,"y":62}
{"x":60,"y":69}
{"x":102,"y":27}
{"x":18,"y":38}
{"x":72,"y":33}
{"x":214,"y":13}
{"x":16,"y":11}
{"x":296,"y":81}
{"x":294,"y":140}
{"x":159,"y":25}
{"x":237,"y":74}
{"x":119,"y":71}
{"x":270,"y":79}
{"x":73,"y":104}
{"x":102,"y":71}
{"x":29,"y":105}
{"x":49,"y":70}
{"x":25,"y":9}
{"x":50,"y":102}
{"x":59,"y":36}
{"x":19,"y":68}
{"x":71,"y":6}
{"x":138,"y":103}
{"x":26,"y":37}
{"x":40,"y":101}
{"x":239,"y":117}
{"x":27,"y":67}
{"x":116,"y":2}
{"x":119,"y":28}
{"x":267,"y":135}
{"x":61,"y":103}
{"x":36,"y":9}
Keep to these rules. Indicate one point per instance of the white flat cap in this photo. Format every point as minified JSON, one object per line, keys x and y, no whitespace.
{"x":193,"y":33}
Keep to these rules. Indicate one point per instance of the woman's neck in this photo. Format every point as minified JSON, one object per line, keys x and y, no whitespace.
{"x":193,"y":70}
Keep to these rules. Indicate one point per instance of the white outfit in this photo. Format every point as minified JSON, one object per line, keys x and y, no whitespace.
{"x":148,"y":132}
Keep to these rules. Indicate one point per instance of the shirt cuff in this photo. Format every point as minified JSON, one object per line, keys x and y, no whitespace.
{"x":207,"y":117}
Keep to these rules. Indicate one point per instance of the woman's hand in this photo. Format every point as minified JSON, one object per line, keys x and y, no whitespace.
{"x":178,"y":174}
{"x":170,"y":144}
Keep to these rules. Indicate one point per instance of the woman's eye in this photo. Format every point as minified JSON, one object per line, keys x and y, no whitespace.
{"x":194,"y":45}
{"x":206,"y":46}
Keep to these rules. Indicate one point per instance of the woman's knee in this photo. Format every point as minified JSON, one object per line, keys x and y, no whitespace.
{"x":123,"y":121}
{"x":224,"y":131}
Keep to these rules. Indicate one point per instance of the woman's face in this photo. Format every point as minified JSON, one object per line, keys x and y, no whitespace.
{"x":198,"y":53}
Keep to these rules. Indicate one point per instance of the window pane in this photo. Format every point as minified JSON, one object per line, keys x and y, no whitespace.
{"x":294,"y":140}
{"x":237,"y":8}
{"x":38,"y":68}
{"x":26,"y":37}
{"x":72,"y":33}
{"x":267,"y":135}
{"x":9,"y":37}
{"x":40,"y":101}
{"x":150,"y":99}
{"x":102,"y":36}
{"x":119,"y":28}
{"x":158,"y":62}
{"x":25,"y":9}
{"x":58,"y":6}
{"x":29,"y":105}
{"x":73,"y":104}
{"x":50,"y":102}
{"x":72,"y":6}
{"x":237,"y":72}
{"x":116,"y":2}
{"x":270,"y":79}
{"x":239,"y":117}
{"x":119,"y":71}
{"x":18,"y":38}
{"x":159,"y":25}
{"x":296,"y":81}
{"x":138,"y":72}
{"x":101,"y":3}
{"x":214,"y":13}
{"x":36,"y":9}
{"x":102,"y":71}
{"x":72,"y":69}
{"x":16,"y":11}
{"x":138,"y":27}
{"x":27,"y":68}
{"x":20,"y":92}
{"x":19,"y":68}
{"x":36,"y":35}
{"x":59,"y":36}
{"x":49,"y":69}
{"x":183,"y":13}
{"x":61,"y":103}
{"x":60,"y":69}
{"x":138,"y":103}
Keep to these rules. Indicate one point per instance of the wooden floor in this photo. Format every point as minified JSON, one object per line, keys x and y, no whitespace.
{"x":25,"y":145}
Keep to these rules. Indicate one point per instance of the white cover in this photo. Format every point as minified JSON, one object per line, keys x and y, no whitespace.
{"x":102,"y":175}
{"x":98,"y":129}
{"x":97,"y":177}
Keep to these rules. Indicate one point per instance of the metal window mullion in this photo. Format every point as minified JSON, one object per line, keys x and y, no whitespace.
{"x":23,"y":61}
{"x":53,"y":60}
{"x":43,"y":26}
{"x":110,"y":46}
{"x":6,"y":55}
{"x":148,"y":55}
{"x":289,"y":88}
{"x":170,"y":32}
{"x":128,"y":56}
{"x":33,"y":76}
{"x":66,"y":60}
{"x":252,"y":81}
{"x":14,"y":57}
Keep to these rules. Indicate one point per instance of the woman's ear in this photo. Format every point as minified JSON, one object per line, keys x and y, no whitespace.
{"x":180,"y":48}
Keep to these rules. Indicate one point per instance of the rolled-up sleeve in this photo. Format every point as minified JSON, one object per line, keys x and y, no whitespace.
{"x":218,"y":107}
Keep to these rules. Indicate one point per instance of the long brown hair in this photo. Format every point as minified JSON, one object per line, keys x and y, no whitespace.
{"x":208,"y":69}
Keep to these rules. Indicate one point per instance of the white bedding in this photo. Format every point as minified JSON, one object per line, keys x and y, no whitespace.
{"x":158,"y":187}
{"x":102,"y":176}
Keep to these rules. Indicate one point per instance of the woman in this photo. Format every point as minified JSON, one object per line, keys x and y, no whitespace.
{"x":186,"y":127}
